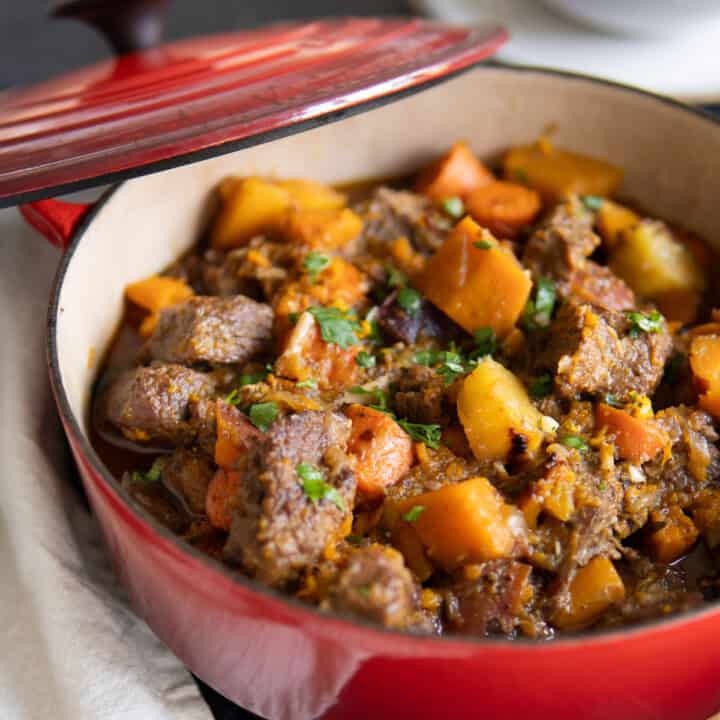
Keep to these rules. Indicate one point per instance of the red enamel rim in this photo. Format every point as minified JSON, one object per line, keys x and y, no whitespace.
{"x":193,"y":99}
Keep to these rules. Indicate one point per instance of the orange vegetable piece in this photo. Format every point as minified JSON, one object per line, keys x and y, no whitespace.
{"x":457,"y":173}
{"x":706,"y":516}
{"x":503,"y":207}
{"x":636,"y":439}
{"x":476,"y":286}
{"x":674,"y":538}
{"x":220,"y":498}
{"x":554,"y":494}
{"x":593,"y":590}
{"x":705,"y":365}
{"x":323,"y":228}
{"x":383,"y":450}
{"x":158,"y":292}
{"x":235,"y":434}
{"x":465,"y":523}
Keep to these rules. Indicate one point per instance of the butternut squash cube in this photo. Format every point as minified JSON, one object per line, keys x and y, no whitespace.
{"x":157,"y":292}
{"x":455,"y":174}
{"x":312,"y":195}
{"x":323,"y":228}
{"x":593,"y":590}
{"x":705,"y":365}
{"x":494,"y":409}
{"x":674,"y":538}
{"x":465,"y":523}
{"x":476,"y":281}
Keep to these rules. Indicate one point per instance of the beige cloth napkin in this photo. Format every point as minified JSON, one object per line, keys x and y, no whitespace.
{"x":71,"y":647}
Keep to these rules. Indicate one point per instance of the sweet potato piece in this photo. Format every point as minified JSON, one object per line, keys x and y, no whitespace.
{"x":705,"y":365}
{"x":465,"y":523}
{"x":556,"y":173}
{"x":157,"y":292}
{"x":457,"y":173}
{"x":383,"y":450}
{"x":323,"y":228}
{"x":593,"y":590}
{"x":220,"y":498}
{"x":504,"y":208}
{"x":312,"y":195}
{"x":235,"y":434}
{"x":614,"y":219}
{"x":477,"y":285}
{"x":496,"y":413}
{"x":636,"y":439}
{"x":675,"y":538}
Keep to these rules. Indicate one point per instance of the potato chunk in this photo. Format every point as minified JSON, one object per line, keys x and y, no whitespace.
{"x":475,"y":280}
{"x":613,"y":220}
{"x":496,"y":413}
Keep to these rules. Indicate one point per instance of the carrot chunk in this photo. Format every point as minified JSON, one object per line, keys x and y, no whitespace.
{"x":457,"y":173}
{"x":502,"y":207}
{"x":636,"y":439}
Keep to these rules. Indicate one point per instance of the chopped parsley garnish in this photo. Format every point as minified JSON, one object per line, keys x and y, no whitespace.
{"x":427,"y":434}
{"x":413,"y":513}
{"x":409,"y":300}
{"x":379,"y":397}
{"x":538,"y":312}
{"x":232,"y":398}
{"x":672,"y":367}
{"x":611,"y":400}
{"x":336,"y":326}
{"x":293,"y":317}
{"x":452,"y":366}
{"x":395,"y":278}
{"x":651,"y":322}
{"x":353,"y":539}
{"x":365,"y":359}
{"x":150,"y":476}
{"x":485,"y":342}
{"x":252,"y":378}
{"x":602,"y":486}
{"x":315,"y":263}
{"x":309,"y":383}
{"x":575,"y":442}
{"x":315,"y":487}
{"x":592,"y":202}
{"x":454,"y":207}
{"x":541,"y":386}
{"x":482,"y":244}
{"x":427,"y":357}
{"x":263,"y":415}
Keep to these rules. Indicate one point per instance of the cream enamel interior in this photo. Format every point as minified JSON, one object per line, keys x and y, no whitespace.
{"x":669,"y":156}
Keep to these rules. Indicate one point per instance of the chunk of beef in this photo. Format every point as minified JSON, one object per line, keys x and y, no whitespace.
{"x":391,"y":214}
{"x":375,"y":585}
{"x":211,"y":329}
{"x":492,"y":599}
{"x":278,"y":529}
{"x":187,"y":475}
{"x":155,"y":403}
{"x":590,"y":351}
{"x":560,"y":248}
{"x":423,"y":397}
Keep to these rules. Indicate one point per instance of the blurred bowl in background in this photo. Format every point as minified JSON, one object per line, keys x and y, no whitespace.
{"x":649,"y":18}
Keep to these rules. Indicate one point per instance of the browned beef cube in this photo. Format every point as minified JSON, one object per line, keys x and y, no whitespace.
{"x":278,"y":528}
{"x":376,"y":585}
{"x":423,"y":397}
{"x":212,"y":329}
{"x":187,"y":474}
{"x":591,"y":351}
{"x":153,"y":404}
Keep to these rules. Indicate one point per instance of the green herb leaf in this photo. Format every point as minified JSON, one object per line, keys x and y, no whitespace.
{"x":252,"y":378}
{"x":150,"y":476}
{"x":336,"y":326}
{"x":232,"y":398}
{"x":315,"y":487}
{"x":413,"y":513}
{"x":454,"y":207}
{"x":354,"y":539}
{"x":395,"y":278}
{"x":428,"y":358}
{"x":538,"y":312}
{"x":452,"y":366}
{"x":575,"y":442}
{"x":365,"y":359}
{"x":293,"y":317}
{"x":309,"y":383}
{"x":611,"y":400}
{"x":591,"y":202}
{"x":482,"y":244}
{"x":263,"y":415}
{"x":409,"y":300}
{"x":428,"y":434}
{"x":315,"y":263}
{"x":650,"y":323}
{"x":601,"y":486}
{"x":379,"y":397}
{"x":485,"y":342}
{"x":541,"y":386}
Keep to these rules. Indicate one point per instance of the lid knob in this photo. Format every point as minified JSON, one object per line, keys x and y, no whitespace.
{"x":128,"y":25}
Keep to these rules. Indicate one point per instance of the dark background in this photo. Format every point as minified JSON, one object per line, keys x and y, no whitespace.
{"x":33,"y":47}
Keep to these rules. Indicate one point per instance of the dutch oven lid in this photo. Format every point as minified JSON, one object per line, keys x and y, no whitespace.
{"x":157,"y":106}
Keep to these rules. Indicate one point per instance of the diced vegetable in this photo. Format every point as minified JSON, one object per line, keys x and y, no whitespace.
{"x":494,"y":409}
{"x":476,"y":287}
{"x":636,"y":439}
{"x":234,"y":434}
{"x":323,"y":229}
{"x":554,"y":494}
{"x":706,"y":516}
{"x":704,"y":359}
{"x":593,"y":590}
{"x":221,"y":497}
{"x":312,"y":195}
{"x":504,"y":208}
{"x":157,"y":292}
{"x":613,"y":220}
{"x":674,"y":538}
{"x":455,"y":174}
{"x":653,"y":262}
{"x":557,"y":173}
{"x":466,"y":522}
{"x":383,"y":450}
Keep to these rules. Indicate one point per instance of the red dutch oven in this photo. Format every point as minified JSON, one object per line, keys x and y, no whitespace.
{"x":237,"y":102}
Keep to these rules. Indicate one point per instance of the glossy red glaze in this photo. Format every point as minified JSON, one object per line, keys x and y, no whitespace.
{"x":56,"y":220}
{"x":193,"y":98}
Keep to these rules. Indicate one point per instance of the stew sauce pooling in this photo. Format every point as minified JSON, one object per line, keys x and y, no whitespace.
{"x":484,"y":406}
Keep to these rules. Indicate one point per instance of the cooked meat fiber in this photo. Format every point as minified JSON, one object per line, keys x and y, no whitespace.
{"x":591,"y":351}
{"x":154,"y":404}
{"x":212,"y":329}
{"x":423,"y":397}
{"x":376,"y":585}
{"x":277,"y":529}
{"x":187,"y":475}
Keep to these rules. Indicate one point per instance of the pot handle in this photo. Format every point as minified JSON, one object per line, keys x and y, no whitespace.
{"x":57,"y":220}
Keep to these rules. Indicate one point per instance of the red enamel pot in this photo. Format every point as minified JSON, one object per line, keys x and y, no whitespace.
{"x":266,"y":651}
